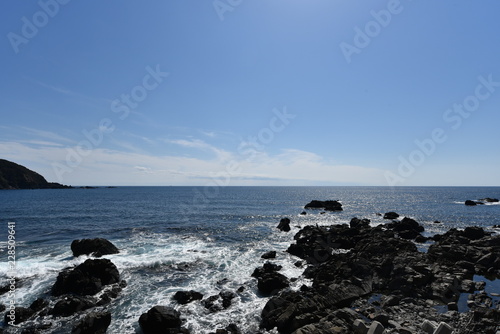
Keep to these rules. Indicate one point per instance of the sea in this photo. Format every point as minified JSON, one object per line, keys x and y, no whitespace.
{"x":207,"y":239}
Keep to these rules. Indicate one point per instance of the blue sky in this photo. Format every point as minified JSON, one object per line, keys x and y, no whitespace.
{"x":240,"y":92}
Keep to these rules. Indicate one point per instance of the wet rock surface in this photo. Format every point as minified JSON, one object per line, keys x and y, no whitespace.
{"x":374,"y":280}
{"x":87,"y":278}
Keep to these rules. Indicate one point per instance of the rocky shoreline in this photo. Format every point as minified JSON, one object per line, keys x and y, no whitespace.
{"x":364,"y":279}
{"x":374,"y":280}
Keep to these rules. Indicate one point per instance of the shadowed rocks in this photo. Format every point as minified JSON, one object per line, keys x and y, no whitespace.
{"x":86,"y":279}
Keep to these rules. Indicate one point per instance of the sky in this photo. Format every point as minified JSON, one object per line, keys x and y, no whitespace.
{"x":252,"y":92}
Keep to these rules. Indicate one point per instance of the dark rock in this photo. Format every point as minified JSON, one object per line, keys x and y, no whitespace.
{"x":93,"y":323}
{"x":269,"y":255}
{"x":391,"y":215}
{"x":359,"y":223}
{"x":39,"y":304}
{"x":284,"y":225}
{"x":470,"y":203}
{"x":86,"y":279}
{"x":421,"y":239}
{"x":474,"y":233}
{"x":71,"y":305}
{"x":271,"y":283}
{"x":96,"y":247}
{"x":159,"y":320}
{"x":38,"y":329}
{"x":22,"y":314}
{"x":327,"y":205}
{"x":219,"y":302}
{"x":391,"y":301}
{"x":184,"y":297}
{"x":407,"y":228}
{"x":382,"y":318}
{"x":268,"y":267}
{"x":490,"y":200}
{"x":233,"y":329}
{"x":303,"y":213}
{"x":227,"y":298}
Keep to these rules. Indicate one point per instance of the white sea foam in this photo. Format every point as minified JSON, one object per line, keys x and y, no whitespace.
{"x":157,"y":265}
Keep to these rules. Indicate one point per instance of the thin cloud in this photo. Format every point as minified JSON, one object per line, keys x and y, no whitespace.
{"x":112,"y":167}
{"x":46,"y":134}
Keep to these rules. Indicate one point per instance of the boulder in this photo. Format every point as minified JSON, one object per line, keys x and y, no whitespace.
{"x":93,"y":323}
{"x":284,"y":225}
{"x":470,"y":203}
{"x":86,"y":279}
{"x":391,"y":215}
{"x":268,"y":267}
{"x":185,"y":297}
{"x":407,"y":228}
{"x":359,"y":223}
{"x":474,"y":233}
{"x":160,"y":320}
{"x":96,"y":247}
{"x":272,"y":283}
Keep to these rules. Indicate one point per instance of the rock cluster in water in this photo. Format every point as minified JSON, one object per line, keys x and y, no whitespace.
{"x":94,"y":283}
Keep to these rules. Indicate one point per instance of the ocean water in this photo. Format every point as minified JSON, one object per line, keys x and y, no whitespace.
{"x":199,"y":238}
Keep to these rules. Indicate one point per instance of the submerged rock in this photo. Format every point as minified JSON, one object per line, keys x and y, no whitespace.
{"x":327,"y":205}
{"x":490,"y":200}
{"x":96,"y":247}
{"x":269,"y":255}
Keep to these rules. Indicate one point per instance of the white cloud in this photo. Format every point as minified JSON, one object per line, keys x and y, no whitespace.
{"x":111,"y":167}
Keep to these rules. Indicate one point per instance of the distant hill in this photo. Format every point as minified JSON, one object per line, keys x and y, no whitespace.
{"x":14,"y":176}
